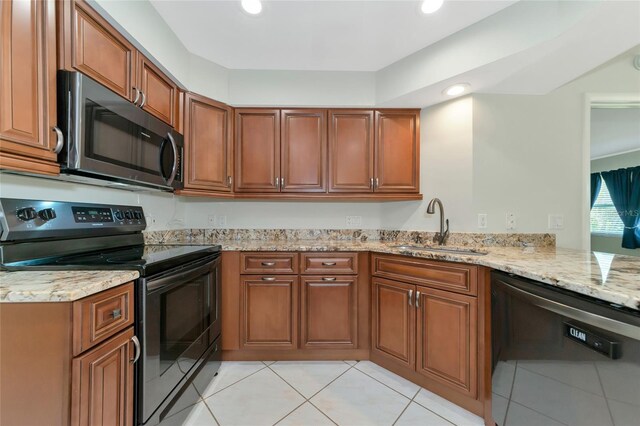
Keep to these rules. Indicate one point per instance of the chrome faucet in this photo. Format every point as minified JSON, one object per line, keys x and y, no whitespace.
{"x":440,"y":237}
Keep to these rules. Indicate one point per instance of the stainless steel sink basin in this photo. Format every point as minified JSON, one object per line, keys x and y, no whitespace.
{"x":454,"y":250}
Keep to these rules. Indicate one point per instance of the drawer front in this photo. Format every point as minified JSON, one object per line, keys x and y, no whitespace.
{"x":435,"y":274}
{"x":268,"y":263}
{"x":98,"y":317}
{"x":329,"y":263}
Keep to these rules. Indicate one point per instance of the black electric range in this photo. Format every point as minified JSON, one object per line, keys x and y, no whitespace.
{"x":178,"y":295}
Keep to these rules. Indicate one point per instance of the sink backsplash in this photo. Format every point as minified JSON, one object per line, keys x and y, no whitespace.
{"x":462,"y":239}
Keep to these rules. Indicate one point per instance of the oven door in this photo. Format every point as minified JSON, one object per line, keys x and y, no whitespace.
{"x":180,"y":321}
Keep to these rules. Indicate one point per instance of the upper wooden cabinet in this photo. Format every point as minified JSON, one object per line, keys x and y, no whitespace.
{"x":397,"y":152}
{"x":303,"y":150}
{"x":89,"y":44}
{"x":28,"y":86}
{"x":257,"y":150}
{"x":351,"y":151}
{"x":208,"y":144}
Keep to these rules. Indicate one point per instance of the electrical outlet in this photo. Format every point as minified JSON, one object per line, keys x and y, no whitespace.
{"x":354,"y":221}
{"x":511,"y":220}
{"x":212,"y":220}
{"x":150,"y":220}
{"x":482,"y":220}
{"x":222,"y":221}
{"x":556,"y":221}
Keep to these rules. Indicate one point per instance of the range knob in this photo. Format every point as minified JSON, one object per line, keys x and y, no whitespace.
{"x":128,"y":214}
{"x":138,"y":215}
{"x":118,"y":214}
{"x":47,"y":214}
{"x":27,"y":213}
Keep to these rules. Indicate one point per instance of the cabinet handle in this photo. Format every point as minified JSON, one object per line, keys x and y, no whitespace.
{"x":328,"y":278}
{"x":328,"y":263}
{"x":229,"y":180}
{"x":410,"y":297}
{"x":281,"y":182}
{"x":417,"y":299}
{"x":144,"y":99}
{"x":117,"y":313}
{"x":135,"y":101}
{"x":377,"y":185}
{"x":136,"y":344}
{"x":268,"y":278}
{"x":371,"y":183}
{"x":268,"y":263}
{"x":278,"y":183}
{"x":59,"y":140}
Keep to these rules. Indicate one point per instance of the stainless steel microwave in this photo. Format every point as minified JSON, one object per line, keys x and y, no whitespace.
{"x":109,"y":138}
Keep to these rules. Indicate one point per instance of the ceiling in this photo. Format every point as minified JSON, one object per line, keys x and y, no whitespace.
{"x":351,"y":35}
{"x":614,"y":131}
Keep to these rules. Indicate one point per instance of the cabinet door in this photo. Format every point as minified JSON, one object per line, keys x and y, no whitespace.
{"x":28,"y":86}
{"x":257,"y":150}
{"x":329,"y":312}
{"x":350,"y":151}
{"x":102,"y":388}
{"x":393,"y":321}
{"x":303,"y":150}
{"x":269,"y":312}
{"x":98,"y":50}
{"x":397,"y":151}
{"x":159,"y":93}
{"x":447,"y":339}
{"x":208,"y":144}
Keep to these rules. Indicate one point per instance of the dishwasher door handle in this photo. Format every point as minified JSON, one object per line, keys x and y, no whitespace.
{"x":589,"y":318}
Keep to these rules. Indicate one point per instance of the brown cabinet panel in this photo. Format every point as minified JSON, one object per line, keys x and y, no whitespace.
{"x":303,"y":150}
{"x":100,"y":316}
{"x":100,"y":52}
{"x":208,"y":130}
{"x":329,"y":263}
{"x":397,"y":152}
{"x":350,"y":151}
{"x":269,"y":312}
{"x":329,"y":312}
{"x":447,"y":339}
{"x":257,"y":150}
{"x":451,"y":276}
{"x":393,"y":321}
{"x":28,"y":86}
{"x":268,"y":263}
{"x":102,"y":389}
{"x":159,"y":93}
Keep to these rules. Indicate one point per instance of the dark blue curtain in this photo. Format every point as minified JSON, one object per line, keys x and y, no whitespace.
{"x":624,"y":187}
{"x":596,"y":183}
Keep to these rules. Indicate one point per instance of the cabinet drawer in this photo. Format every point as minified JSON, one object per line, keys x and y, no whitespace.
{"x":98,"y":317}
{"x":329,"y":263}
{"x":268,"y":263}
{"x":436,"y":274}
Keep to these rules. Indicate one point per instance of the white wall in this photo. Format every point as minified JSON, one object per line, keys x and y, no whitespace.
{"x":163,"y":210}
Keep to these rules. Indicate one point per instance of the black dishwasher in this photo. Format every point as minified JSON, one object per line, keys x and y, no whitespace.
{"x":562,"y":358}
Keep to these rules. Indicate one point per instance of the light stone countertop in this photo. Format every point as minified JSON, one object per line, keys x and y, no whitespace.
{"x":612,"y":278}
{"x":58,"y":286}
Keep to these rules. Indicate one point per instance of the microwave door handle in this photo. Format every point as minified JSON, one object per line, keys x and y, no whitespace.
{"x":174,"y":170}
{"x":160,"y":169}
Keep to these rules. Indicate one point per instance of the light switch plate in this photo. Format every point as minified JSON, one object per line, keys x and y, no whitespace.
{"x":511,"y":220}
{"x":556,"y":221}
{"x":354,"y":221}
{"x":482,"y":220}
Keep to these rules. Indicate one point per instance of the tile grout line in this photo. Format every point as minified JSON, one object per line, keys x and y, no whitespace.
{"x":566,"y":384}
{"x":228,"y":386}
{"x":429,"y":409}
{"x":604,"y":393}
{"x":382,"y":383}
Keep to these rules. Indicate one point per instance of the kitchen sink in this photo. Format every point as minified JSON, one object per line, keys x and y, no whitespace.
{"x":454,"y":250}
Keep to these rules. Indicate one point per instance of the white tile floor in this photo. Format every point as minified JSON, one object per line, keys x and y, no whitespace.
{"x":317,"y":393}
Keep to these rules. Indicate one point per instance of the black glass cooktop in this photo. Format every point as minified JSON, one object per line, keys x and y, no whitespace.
{"x":147,"y":259}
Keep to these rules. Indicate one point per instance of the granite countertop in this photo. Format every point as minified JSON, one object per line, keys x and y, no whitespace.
{"x":58,"y":286}
{"x":613,"y":278}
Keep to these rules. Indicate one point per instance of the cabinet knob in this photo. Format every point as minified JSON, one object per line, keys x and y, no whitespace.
{"x":268,"y":263}
{"x":328,"y":263}
{"x":328,"y":278}
{"x":117,"y":313}
{"x":268,"y":278}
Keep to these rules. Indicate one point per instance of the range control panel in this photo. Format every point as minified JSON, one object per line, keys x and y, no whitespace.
{"x":23,"y":220}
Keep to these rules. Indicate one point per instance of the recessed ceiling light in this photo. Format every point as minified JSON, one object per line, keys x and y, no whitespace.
{"x":252,"y":6}
{"x":457,"y":89}
{"x":430,"y":6}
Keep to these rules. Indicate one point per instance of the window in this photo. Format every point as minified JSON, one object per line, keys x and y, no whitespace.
{"x":604,"y":217}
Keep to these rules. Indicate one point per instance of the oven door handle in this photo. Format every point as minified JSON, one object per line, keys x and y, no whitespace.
{"x":169,"y":281}
{"x":589,"y":318}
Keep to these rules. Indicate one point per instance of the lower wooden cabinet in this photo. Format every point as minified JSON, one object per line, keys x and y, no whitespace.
{"x":269,"y":312}
{"x":102,"y":390}
{"x":447,"y":339}
{"x":329,"y":312}
{"x":393,"y":321}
